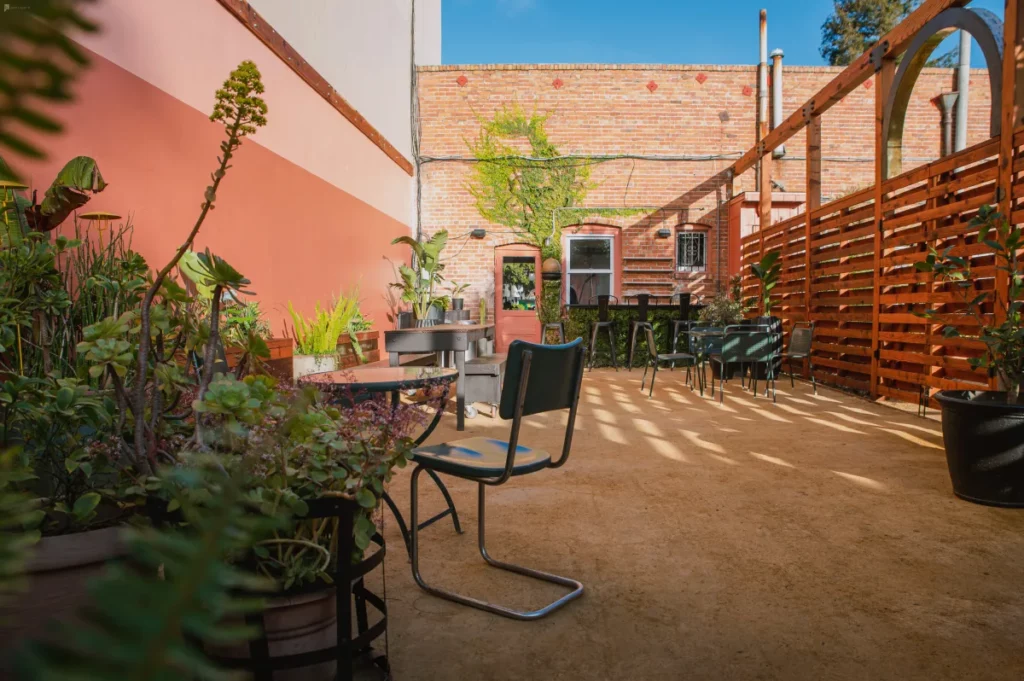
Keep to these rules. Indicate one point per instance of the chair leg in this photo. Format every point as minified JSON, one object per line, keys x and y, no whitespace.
{"x":789,"y":362}
{"x":593,"y":346}
{"x":653,"y":376}
{"x":632,"y":344}
{"x":577,"y":587}
{"x":611,"y":344}
{"x":675,"y":339}
{"x":644,"y":379}
{"x":810,"y":368}
{"x":561,"y":333}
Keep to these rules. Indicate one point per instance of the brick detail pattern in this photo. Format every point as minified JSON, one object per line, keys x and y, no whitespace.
{"x":608,"y":109}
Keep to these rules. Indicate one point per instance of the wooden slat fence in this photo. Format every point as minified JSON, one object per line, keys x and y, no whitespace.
{"x":831,"y":281}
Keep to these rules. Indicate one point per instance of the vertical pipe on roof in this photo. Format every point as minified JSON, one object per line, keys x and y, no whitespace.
{"x":963,"y":86}
{"x":762,"y":85}
{"x":777,"y":56}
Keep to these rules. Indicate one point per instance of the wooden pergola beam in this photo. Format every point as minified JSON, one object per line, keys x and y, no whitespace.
{"x":855,"y":74}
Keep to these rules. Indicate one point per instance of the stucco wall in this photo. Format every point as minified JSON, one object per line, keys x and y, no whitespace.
{"x":310,"y":204}
{"x":363,"y":49}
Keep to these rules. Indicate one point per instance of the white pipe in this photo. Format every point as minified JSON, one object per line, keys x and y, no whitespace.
{"x":963,"y":86}
{"x":777,"y":56}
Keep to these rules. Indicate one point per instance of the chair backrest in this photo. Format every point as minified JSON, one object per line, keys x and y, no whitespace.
{"x":643,"y":300}
{"x":540,"y":378}
{"x":652,"y":346}
{"x":684,"y":306}
{"x":602,"y":306}
{"x":800,"y":338}
{"x":705,"y":344}
{"x":748,"y":344}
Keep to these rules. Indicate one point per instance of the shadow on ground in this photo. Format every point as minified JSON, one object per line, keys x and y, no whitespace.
{"x":816,"y":538}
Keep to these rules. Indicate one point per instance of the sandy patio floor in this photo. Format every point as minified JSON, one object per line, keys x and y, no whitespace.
{"x":817,"y":538}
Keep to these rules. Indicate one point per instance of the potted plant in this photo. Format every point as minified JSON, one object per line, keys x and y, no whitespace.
{"x":455,"y":293}
{"x":720,"y":312}
{"x":417,"y":285}
{"x":92,"y":378}
{"x":983,"y":431}
{"x":767,"y":273}
{"x":296,"y":449}
{"x":316,"y":338}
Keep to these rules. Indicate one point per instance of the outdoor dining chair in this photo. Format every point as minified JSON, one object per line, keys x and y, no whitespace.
{"x":635,"y":325}
{"x":655,"y":359}
{"x":683,"y":323}
{"x":746,"y":345}
{"x":603,"y":322}
{"x":538,"y":379}
{"x":800,"y":340}
{"x":703,"y":346}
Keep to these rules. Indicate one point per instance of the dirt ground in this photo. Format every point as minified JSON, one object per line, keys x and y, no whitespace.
{"x":817,"y":538}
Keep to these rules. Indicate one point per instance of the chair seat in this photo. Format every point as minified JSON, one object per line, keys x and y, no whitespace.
{"x":603,"y":324}
{"x":794,"y":355}
{"x":479,"y":457}
{"x":676,"y":356}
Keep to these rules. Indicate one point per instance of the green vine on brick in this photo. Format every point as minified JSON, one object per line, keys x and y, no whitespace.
{"x":529,"y":191}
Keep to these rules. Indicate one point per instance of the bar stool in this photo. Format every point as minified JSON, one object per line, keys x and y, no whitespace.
{"x":558,"y":326}
{"x":635,"y":325}
{"x":603,"y":322}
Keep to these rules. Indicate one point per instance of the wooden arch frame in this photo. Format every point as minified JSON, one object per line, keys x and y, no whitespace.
{"x":985,"y":27}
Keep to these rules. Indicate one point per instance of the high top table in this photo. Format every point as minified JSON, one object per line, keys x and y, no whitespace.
{"x":454,"y":338}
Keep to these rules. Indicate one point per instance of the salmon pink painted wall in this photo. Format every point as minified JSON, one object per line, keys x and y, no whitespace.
{"x":294,"y":234}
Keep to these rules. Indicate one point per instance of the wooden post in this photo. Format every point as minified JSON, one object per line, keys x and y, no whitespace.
{"x":1010,"y":109}
{"x":813,"y":202}
{"x":883,"y":83}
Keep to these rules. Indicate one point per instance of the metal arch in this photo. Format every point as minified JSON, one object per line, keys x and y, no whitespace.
{"x":985,"y":27}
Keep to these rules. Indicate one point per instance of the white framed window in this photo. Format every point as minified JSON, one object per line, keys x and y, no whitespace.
{"x":590,"y":270}
{"x":691,"y":251}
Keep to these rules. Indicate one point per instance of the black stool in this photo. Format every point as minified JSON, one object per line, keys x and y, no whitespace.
{"x":554,"y":326}
{"x":603,"y":322}
{"x":635,"y":325}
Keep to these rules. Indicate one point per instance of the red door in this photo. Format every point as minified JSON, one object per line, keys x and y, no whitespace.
{"x":517,"y":279}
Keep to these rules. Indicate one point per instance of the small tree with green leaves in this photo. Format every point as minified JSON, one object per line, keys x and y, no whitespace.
{"x":1004,"y":339}
{"x":418,"y":283}
{"x":767,"y":273}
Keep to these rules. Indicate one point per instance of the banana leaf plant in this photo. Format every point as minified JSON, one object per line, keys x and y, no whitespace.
{"x":767,"y":273}
{"x":417,"y":285}
{"x":69,"y":191}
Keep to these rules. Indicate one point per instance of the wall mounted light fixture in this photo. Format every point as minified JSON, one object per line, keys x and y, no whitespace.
{"x":664,"y":233}
{"x":478,"y":233}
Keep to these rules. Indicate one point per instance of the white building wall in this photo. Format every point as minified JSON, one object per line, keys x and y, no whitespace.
{"x":363,"y":48}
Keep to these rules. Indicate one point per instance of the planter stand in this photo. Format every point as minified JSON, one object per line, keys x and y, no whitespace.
{"x":335,"y":661}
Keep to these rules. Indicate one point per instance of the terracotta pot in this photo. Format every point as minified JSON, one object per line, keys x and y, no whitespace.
{"x":297,"y":624}
{"x":58,"y":575}
{"x":304,"y":365}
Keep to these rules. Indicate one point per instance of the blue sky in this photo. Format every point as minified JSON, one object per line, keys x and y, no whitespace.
{"x":635,"y":31}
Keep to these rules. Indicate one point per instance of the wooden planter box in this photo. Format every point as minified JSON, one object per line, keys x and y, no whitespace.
{"x":369,"y":341}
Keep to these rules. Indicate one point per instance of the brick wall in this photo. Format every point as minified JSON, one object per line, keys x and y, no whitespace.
{"x":654,"y":113}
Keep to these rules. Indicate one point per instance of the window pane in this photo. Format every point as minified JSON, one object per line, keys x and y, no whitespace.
{"x":585,"y":288}
{"x":590,"y":254}
{"x":519,"y":283}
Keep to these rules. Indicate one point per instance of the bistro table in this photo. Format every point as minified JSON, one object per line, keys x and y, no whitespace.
{"x":346,"y":386}
{"x":455,"y":338}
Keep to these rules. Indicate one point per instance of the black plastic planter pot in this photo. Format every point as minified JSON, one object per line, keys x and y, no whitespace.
{"x":984,"y":439}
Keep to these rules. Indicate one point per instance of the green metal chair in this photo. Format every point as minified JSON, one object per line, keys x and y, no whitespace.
{"x":800,"y":340}
{"x":538,"y":378}
{"x":654,"y":359}
{"x":703,"y":347}
{"x":749,"y":345}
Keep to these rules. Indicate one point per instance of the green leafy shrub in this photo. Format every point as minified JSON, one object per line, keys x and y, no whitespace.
{"x":721,"y":311}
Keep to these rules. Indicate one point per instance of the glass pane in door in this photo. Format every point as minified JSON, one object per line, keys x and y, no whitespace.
{"x":519,"y":282}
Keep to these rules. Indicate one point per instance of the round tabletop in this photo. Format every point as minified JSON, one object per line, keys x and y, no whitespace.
{"x":382,"y":379}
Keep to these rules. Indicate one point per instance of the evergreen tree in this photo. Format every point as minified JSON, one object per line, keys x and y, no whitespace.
{"x":856,"y":25}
